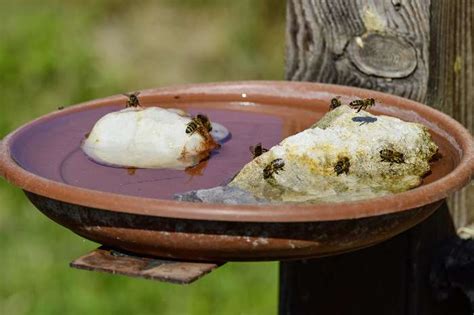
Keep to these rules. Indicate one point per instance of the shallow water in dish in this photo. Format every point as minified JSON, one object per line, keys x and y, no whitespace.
{"x":50,"y":148}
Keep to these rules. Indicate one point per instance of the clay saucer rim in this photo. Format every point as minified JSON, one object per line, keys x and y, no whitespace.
{"x":275,"y":92}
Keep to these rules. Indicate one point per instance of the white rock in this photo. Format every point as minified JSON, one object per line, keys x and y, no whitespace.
{"x":150,"y":137}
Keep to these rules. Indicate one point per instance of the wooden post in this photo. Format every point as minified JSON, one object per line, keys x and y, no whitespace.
{"x":412,"y":48}
{"x":451,"y":80}
{"x":418,"y":49}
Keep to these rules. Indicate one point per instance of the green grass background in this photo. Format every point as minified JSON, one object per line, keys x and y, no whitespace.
{"x":58,"y":53}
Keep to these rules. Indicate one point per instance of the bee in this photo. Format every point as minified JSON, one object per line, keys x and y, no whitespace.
{"x":200,"y":123}
{"x":335,"y":103}
{"x":132,"y":99}
{"x":205,"y":121}
{"x":436,"y":157}
{"x":273,"y":168}
{"x":362,"y":104}
{"x":392,"y":156}
{"x":257,"y":150}
{"x":342,"y":166}
{"x":194,"y":125}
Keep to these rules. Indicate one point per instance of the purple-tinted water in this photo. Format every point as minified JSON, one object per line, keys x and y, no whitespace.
{"x":51,"y":149}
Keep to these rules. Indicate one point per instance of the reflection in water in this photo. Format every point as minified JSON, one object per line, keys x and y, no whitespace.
{"x":197,"y":170}
{"x":131,"y":170}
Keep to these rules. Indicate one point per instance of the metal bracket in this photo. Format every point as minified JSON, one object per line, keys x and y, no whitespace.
{"x":112,"y":261}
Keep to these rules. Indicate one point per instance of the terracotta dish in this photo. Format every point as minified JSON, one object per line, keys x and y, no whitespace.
{"x":133,"y":210}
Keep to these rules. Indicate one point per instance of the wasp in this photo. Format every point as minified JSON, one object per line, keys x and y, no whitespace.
{"x":335,"y":103}
{"x":342,"y":166}
{"x":273,"y":168}
{"x":205,"y":121}
{"x":132,"y":99}
{"x":257,"y":150}
{"x":392,"y":156}
{"x":362,"y":104}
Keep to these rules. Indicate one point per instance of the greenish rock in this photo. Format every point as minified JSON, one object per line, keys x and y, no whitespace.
{"x":344,"y":156}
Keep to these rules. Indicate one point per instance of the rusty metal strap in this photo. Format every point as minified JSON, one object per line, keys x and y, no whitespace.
{"x":108,"y":260}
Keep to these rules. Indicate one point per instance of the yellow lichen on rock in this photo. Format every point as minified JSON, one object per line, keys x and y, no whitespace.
{"x":345,"y":156}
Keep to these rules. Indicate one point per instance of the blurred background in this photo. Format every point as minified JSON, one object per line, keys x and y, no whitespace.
{"x":58,"y":53}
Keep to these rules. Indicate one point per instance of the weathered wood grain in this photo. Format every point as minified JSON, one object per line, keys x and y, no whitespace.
{"x":385,"y":45}
{"x":337,"y":42}
{"x":451,"y":80}
{"x":419,"y":49}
